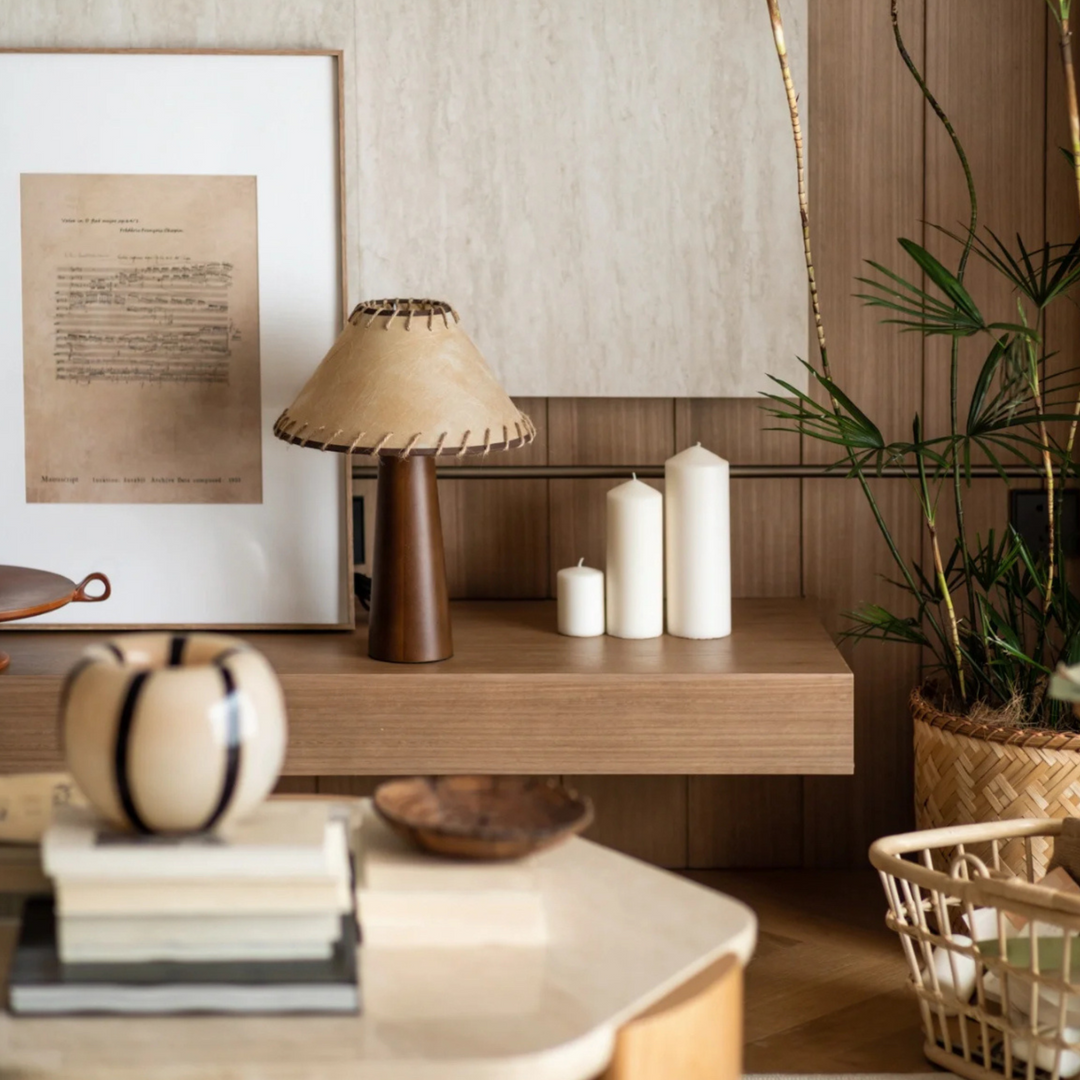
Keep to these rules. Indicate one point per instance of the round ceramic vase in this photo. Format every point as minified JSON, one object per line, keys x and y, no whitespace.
{"x":173,"y":733}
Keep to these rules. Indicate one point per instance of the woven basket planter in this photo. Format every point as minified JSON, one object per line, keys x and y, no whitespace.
{"x":968,"y":773}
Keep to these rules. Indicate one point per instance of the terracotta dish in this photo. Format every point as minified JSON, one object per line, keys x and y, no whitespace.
{"x":25,"y":593}
{"x":482,"y":817}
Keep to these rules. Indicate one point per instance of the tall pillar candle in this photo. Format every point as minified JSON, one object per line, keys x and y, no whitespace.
{"x":580,"y":591}
{"x":697,"y":534}
{"x":635,"y":561}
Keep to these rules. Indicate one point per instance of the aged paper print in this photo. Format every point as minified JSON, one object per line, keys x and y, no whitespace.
{"x":141,"y":339}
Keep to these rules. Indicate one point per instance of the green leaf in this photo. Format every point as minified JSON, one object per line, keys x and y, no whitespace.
{"x":943,"y":279}
{"x":982,"y":384}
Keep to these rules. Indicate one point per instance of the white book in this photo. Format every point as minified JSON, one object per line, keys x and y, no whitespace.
{"x":39,"y":983}
{"x":408,"y":899}
{"x":281,"y":839}
{"x":451,"y":919}
{"x":215,"y":897}
{"x":141,"y":939}
{"x":387,"y":862}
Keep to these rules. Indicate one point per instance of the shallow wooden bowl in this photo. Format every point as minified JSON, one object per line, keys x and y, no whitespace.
{"x":482,"y":817}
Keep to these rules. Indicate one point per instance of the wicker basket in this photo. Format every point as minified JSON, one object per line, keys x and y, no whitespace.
{"x":967,"y":772}
{"x":1014,"y":1015}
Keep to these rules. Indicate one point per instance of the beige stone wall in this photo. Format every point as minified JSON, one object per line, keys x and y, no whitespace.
{"x":604,"y":190}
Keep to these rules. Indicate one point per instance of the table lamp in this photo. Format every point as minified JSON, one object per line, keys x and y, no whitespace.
{"x":405,"y":382}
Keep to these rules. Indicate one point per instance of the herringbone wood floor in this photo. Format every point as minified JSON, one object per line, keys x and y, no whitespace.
{"x":826,"y":991}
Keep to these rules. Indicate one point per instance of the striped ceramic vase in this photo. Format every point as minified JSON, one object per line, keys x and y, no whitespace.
{"x":173,"y":732}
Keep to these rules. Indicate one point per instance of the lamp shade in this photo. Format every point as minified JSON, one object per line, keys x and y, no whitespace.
{"x":404,"y":378}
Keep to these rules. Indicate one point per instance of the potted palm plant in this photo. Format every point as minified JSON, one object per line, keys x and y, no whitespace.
{"x":992,"y":616}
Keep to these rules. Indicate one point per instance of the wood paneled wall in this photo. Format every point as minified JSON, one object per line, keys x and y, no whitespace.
{"x":879,"y":166}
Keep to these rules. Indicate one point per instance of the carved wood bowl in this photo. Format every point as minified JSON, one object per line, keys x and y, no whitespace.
{"x":25,"y":592}
{"x":482,"y":817}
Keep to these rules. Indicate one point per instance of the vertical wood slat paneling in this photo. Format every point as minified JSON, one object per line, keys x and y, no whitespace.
{"x":749,"y":820}
{"x":844,"y":563}
{"x":1062,"y":217}
{"x":610,"y":431}
{"x":998,"y":108}
{"x":1062,"y":226}
{"x":645,"y":816}
{"x":866,"y":189}
{"x":988,"y":71}
{"x":865,"y":147}
{"x":497,"y":534}
{"x":496,"y":537}
{"x":868,"y":177}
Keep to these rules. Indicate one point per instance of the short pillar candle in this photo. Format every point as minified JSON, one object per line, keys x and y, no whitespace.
{"x":697,"y":544}
{"x":635,"y":561}
{"x":580,"y":592}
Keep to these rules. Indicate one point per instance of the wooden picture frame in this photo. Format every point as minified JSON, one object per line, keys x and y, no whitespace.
{"x":221,"y":175}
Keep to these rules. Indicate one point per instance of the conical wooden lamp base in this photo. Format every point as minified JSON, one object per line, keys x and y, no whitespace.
{"x":410,"y":607}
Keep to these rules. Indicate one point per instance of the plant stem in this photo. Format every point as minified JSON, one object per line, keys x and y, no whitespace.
{"x":929,"y":510}
{"x":954,"y":352}
{"x":954,"y":630}
{"x":1048,"y":468}
{"x":1070,"y":95}
{"x":800,"y":170}
{"x":811,"y":276}
{"x":1065,"y":41}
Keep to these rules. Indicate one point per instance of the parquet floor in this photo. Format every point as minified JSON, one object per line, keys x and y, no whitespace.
{"x":826,"y":991}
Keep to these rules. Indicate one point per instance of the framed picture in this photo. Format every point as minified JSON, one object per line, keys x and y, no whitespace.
{"x":171,"y":272}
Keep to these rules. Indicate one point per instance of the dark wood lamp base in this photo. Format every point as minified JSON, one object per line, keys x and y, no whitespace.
{"x":410,"y":607}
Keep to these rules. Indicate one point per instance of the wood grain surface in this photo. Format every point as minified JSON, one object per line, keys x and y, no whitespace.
{"x":867,"y":129}
{"x":410,"y":607}
{"x":878,"y":169}
{"x":519,"y":698}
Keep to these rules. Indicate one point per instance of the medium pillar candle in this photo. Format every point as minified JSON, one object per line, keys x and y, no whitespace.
{"x":698,"y":544}
{"x":635,"y":561}
{"x":580,"y":592}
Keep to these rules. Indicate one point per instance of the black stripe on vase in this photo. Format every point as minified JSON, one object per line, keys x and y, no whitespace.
{"x":123,"y":745}
{"x":114,"y":649}
{"x":231,"y":702}
{"x":176,"y":650}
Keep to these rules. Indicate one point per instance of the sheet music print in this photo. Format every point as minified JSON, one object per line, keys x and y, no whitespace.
{"x":141,"y":355}
{"x":159,"y":322}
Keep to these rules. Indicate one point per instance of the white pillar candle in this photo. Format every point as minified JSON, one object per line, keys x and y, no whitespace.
{"x":635,"y":561}
{"x":580,"y":591}
{"x":698,"y":544}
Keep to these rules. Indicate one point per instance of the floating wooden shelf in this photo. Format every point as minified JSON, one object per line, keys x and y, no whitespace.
{"x":774,"y":697}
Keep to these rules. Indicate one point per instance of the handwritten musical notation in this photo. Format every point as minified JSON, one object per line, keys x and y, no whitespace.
{"x":141,"y":338}
{"x":158,"y":322}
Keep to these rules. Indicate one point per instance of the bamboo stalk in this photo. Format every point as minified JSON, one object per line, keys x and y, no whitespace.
{"x":1065,"y":43}
{"x":954,"y":351}
{"x":929,"y":510}
{"x":800,"y":170}
{"x":804,"y":213}
{"x":1048,"y":468}
{"x":776,"y":19}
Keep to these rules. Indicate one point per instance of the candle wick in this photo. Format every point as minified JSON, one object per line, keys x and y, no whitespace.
{"x":633,"y":475}
{"x":581,"y":561}
{"x":697,"y":443}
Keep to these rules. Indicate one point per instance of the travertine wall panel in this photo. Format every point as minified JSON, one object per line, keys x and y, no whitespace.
{"x":604,"y":191}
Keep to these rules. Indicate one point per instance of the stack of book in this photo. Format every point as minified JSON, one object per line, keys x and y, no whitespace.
{"x":258,"y":917}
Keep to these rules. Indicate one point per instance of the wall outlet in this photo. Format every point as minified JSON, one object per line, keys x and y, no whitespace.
{"x":1028,"y":514}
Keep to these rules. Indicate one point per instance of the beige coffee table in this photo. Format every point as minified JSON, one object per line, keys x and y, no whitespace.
{"x":640,"y":977}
